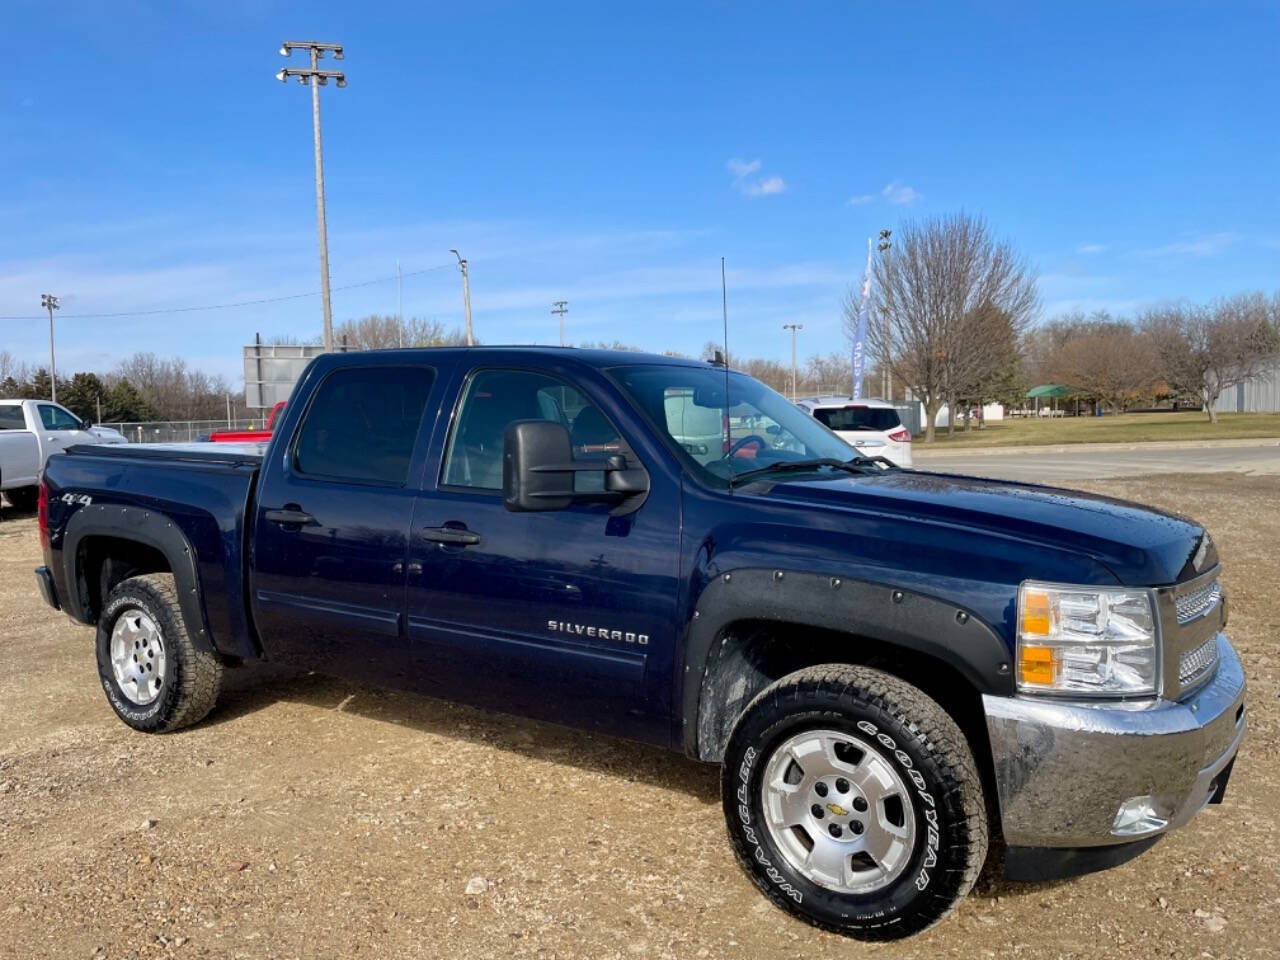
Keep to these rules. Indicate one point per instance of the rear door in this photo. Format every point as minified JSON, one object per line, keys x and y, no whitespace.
{"x":19,"y":448}
{"x":332,"y":519}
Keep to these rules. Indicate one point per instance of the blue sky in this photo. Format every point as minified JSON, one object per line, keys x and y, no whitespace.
{"x":611,"y":156}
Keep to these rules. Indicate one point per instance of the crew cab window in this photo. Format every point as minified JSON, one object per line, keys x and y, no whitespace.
{"x":495,"y":398}
{"x":362,"y":425}
{"x":11,"y":418}
{"x":55,"y":418}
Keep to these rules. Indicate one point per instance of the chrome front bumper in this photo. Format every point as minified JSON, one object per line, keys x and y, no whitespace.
{"x":1063,"y":769}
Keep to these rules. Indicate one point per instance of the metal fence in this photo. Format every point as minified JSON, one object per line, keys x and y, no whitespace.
{"x":183,"y":431}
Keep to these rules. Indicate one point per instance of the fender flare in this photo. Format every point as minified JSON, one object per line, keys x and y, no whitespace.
{"x":143,"y":526}
{"x":901,"y":618}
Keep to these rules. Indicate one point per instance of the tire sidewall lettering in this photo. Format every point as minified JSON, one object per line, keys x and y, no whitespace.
{"x":757,"y":852}
{"x":119,"y":701}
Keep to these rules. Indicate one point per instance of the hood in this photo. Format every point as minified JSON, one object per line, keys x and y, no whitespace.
{"x":1141,"y":546}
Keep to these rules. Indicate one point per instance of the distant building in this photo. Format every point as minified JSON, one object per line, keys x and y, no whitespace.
{"x":1258,"y":395}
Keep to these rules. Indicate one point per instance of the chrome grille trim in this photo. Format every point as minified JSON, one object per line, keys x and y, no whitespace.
{"x":1196,"y":663}
{"x":1198,"y":602}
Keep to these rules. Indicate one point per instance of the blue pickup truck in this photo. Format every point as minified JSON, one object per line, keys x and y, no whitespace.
{"x":895,"y":669}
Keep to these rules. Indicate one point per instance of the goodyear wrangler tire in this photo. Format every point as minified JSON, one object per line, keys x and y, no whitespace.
{"x":853,"y":801}
{"x":155,"y":678}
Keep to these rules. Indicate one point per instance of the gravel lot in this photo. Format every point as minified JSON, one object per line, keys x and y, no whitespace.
{"x":313,"y":818}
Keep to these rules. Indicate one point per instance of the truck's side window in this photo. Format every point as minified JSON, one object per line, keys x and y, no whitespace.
{"x":55,"y":418}
{"x":11,"y":418}
{"x":495,"y":398}
{"x":362,"y":424}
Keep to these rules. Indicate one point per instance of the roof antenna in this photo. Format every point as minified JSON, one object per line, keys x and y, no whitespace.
{"x":724,"y":309}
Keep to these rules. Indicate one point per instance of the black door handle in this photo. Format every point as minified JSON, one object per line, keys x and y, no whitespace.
{"x":457,"y":535}
{"x":288,"y":516}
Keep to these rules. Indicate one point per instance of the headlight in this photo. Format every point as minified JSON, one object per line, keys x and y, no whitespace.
{"x":1087,"y":640}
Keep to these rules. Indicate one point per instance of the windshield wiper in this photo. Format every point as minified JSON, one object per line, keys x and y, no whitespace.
{"x":859,"y":465}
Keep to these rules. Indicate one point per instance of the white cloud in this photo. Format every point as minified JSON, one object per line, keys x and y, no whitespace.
{"x":743,"y":170}
{"x":764,"y":188}
{"x":897,"y":193}
{"x":1204,"y":245}
{"x":1090,"y":249}
{"x":900,"y":194}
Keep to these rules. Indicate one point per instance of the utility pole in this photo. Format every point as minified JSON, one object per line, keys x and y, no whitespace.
{"x":560,"y":307}
{"x":50,"y":303}
{"x":887,"y":383}
{"x":317,"y":78}
{"x":466,"y":294}
{"x":794,"y":328}
{"x":399,"y":307}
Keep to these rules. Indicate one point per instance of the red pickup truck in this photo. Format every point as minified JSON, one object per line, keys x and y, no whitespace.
{"x":249,"y":436}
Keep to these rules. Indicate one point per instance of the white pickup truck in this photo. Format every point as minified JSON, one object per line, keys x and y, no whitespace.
{"x":31,"y":430}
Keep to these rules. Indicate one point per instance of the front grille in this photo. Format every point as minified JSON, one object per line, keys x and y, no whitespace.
{"x":1196,"y":663}
{"x":1196,"y":603}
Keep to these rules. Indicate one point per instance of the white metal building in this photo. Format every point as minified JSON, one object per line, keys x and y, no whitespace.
{"x":1259,"y":395}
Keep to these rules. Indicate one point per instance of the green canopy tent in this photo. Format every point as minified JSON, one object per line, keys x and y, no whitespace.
{"x":1048,"y":391}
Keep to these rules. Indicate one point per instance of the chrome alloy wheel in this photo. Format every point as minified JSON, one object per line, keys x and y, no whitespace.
{"x":137,"y":656}
{"x":838,"y":811}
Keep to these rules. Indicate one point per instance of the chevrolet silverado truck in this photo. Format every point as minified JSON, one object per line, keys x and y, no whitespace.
{"x":894,"y":669}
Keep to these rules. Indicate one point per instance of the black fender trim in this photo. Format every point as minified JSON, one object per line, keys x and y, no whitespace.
{"x":142,"y":526}
{"x":890,"y":615}
{"x":1042,"y":864}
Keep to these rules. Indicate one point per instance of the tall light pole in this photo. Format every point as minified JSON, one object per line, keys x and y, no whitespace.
{"x":317,"y":78}
{"x":466,"y":292}
{"x":50,"y":303}
{"x":560,"y":308}
{"x":883,"y":247}
{"x":794,"y":328}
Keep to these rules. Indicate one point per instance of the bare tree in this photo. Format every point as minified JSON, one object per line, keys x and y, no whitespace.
{"x":828,"y":374}
{"x":383,"y":332}
{"x":13,"y":370}
{"x":1206,"y":349}
{"x":1102,"y":358}
{"x":951,"y":299}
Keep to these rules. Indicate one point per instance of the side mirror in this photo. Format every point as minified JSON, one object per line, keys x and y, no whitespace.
{"x":537,"y":472}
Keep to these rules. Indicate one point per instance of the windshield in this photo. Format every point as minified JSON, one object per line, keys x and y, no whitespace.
{"x":858,"y":417}
{"x":759,"y":428}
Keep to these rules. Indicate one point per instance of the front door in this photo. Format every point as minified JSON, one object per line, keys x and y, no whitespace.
{"x":566,"y":615}
{"x":332,"y":521}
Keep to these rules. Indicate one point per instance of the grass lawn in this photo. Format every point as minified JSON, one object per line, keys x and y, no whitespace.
{"x":1120,"y":428}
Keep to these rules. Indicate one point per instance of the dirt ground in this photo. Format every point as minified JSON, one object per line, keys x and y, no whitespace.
{"x":312,"y":818}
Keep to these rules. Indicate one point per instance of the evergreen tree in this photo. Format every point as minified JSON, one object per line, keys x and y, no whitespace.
{"x":125,"y":404}
{"x":82,"y":394}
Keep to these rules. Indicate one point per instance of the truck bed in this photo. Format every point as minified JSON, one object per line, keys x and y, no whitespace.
{"x":206,"y":491}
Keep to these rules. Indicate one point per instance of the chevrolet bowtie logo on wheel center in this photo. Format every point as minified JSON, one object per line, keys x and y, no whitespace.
{"x":837,"y":810}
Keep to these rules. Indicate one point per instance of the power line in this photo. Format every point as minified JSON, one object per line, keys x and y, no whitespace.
{"x":239,"y":303}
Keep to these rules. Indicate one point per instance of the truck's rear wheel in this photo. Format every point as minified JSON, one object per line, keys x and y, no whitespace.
{"x":155,"y":678}
{"x":23,"y":498}
{"x":854,"y":802}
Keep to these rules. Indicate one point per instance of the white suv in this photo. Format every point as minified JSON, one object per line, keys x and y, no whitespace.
{"x":872,"y":427}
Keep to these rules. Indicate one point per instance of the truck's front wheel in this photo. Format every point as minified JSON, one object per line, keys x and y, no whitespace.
{"x":155,"y":678}
{"x":853,"y":801}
